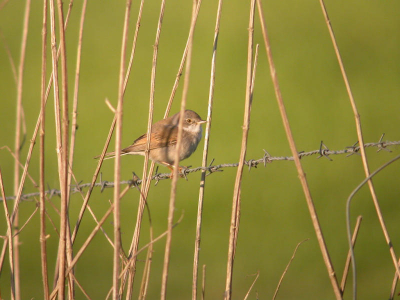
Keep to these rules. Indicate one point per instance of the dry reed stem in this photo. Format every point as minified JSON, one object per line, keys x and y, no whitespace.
{"x":10,"y":59}
{"x":301,"y":174}
{"x":147,"y":267}
{"x":62,"y":140}
{"x":2,"y":4}
{"x":117,"y":161}
{"x":89,"y":239}
{"x":251,"y":287}
{"x":61,"y":251}
{"x":92,"y":214}
{"x":148,"y":245}
{"x":9,"y":237}
{"x":139,"y":18}
{"x":353,"y":260}
{"x":361,"y":142}
{"x":85,"y":244}
{"x":175,"y":175}
{"x":348,"y":259}
{"x":143,"y":193}
{"x":135,"y":239}
{"x":205,"y":154}
{"x":94,"y":178}
{"x":26,"y":222}
{"x":20,"y":165}
{"x":183,"y":60}
{"x":287,"y":268}
{"x":394,"y":285}
{"x":76,"y":90}
{"x":142,"y":199}
{"x":43,"y":247}
{"x":29,"y":156}
{"x":80,"y":286}
{"x":203,"y":284}
{"x":235,"y":215}
{"x":17,"y":146}
{"x":72,"y":141}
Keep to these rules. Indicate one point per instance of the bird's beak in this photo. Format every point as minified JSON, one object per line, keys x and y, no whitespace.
{"x":202,"y":122}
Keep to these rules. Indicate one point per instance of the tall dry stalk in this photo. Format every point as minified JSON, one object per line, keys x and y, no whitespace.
{"x":235,"y":215}
{"x":43,"y":248}
{"x":362,"y":149}
{"x":205,"y":154}
{"x":117,"y":161}
{"x":175,"y":175}
{"x":300,"y":171}
{"x":9,"y":238}
{"x":17,"y":146}
{"x":143,"y":193}
{"x":145,"y":187}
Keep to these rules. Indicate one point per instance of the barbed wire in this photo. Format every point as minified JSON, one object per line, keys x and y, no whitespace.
{"x":323,"y":151}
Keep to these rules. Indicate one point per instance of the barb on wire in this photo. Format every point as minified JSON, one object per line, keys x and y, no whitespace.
{"x":323,"y":151}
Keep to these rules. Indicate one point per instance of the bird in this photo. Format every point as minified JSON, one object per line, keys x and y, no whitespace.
{"x":164,"y":138}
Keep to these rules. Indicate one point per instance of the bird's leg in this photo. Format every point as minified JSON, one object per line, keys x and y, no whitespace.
{"x":171,"y":167}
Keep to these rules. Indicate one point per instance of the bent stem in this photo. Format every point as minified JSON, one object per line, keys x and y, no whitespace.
{"x":300,"y":171}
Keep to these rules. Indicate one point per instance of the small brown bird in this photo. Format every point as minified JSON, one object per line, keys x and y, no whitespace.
{"x":164,"y":137}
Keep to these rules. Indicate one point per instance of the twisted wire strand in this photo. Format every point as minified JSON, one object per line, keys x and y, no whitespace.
{"x":323,"y":151}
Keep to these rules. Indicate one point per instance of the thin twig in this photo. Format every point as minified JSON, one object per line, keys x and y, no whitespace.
{"x":85,"y":244}
{"x":348,"y":259}
{"x":300,"y":171}
{"x":73,"y":136}
{"x":361,"y":142}
{"x":117,"y":161}
{"x":63,"y":146}
{"x":287,"y":268}
{"x":143,"y":193}
{"x":147,"y":266}
{"x":349,"y":238}
{"x":251,"y":287}
{"x":9,"y":237}
{"x":205,"y":154}
{"x":10,"y":58}
{"x":176,"y":164}
{"x":203,"y":283}
{"x":125,"y":270}
{"x":142,"y":200}
{"x":172,"y":198}
{"x":17,"y":146}
{"x":235,"y":215}
{"x":76,"y":90}
{"x":128,"y":71}
{"x":43,"y":248}
{"x":26,"y":222}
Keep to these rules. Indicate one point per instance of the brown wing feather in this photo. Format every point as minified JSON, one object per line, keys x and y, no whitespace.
{"x":164,"y":136}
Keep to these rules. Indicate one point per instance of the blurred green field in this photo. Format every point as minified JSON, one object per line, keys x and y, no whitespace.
{"x":274,"y":214}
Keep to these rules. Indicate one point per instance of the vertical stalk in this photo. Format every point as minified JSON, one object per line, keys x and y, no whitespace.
{"x":235,"y":217}
{"x":364,"y":159}
{"x":9,"y":237}
{"x":117,"y":162}
{"x":175,"y":175}
{"x":300,"y":171}
{"x":17,"y":145}
{"x":64,"y":152}
{"x":205,"y":154}
{"x":43,"y":249}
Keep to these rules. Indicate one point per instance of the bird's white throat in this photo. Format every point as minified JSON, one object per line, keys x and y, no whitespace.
{"x":194,"y":129}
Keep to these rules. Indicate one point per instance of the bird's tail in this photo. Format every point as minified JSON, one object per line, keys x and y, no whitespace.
{"x":107,"y":156}
{"x":112,"y":154}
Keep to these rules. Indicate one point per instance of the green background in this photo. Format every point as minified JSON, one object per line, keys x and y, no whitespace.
{"x":274,"y":215}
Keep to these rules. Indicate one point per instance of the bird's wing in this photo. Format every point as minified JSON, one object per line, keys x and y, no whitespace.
{"x":161,"y":136}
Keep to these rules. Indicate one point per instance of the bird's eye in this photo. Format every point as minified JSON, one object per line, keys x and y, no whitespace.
{"x":189,"y":121}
